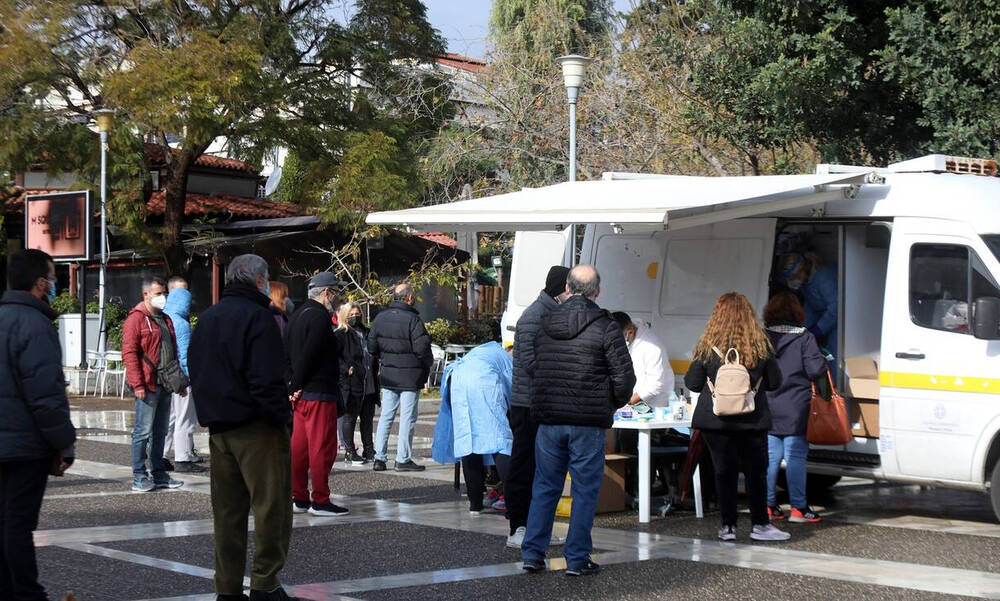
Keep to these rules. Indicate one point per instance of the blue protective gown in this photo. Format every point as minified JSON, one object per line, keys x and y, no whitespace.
{"x":819,"y":294}
{"x":475,"y":397}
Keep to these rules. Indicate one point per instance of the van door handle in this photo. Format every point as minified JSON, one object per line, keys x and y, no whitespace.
{"x":916,"y":356}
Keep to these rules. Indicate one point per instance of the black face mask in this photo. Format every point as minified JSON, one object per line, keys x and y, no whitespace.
{"x":354,"y":321}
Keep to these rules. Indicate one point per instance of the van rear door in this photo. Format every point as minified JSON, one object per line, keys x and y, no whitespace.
{"x":534,"y":254}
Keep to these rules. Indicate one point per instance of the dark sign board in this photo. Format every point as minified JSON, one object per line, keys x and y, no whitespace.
{"x":59,"y":224}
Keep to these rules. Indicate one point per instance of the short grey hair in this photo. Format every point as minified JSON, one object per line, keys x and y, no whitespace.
{"x":584,"y":280}
{"x":246,"y":269}
{"x":402,"y":292}
{"x":313,"y":293}
{"x":150,"y":280}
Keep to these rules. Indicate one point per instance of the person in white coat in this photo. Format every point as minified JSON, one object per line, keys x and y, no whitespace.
{"x":654,"y":378}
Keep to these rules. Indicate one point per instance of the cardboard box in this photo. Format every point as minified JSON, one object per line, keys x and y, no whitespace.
{"x":612,"y":495}
{"x":862,"y":377}
{"x":863,"y":416}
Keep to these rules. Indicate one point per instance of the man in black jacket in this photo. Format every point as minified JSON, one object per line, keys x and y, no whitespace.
{"x":399,"y":342}
{"x":517,"y":487}
{"x":236,"y":364}
{"x":36,"y":435}
{"x":314,"y":380}
{"x":581,"y":373}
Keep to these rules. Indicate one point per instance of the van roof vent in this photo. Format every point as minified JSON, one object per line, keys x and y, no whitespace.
{"x":940,"y":163}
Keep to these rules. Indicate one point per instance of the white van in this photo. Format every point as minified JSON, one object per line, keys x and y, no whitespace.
{"x":917,"y":249}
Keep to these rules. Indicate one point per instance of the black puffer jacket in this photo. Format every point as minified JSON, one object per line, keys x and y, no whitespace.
{"x":352,"y":355}
{"x":524,"y":347}
{"x":705,"y":418}
{"x":801,"y":362}
{"x":313,"y":354}
{"x":399,"y":342}
{"x":236,"y":362}
{"x":581,"y":371}
{"x":35,"y":422}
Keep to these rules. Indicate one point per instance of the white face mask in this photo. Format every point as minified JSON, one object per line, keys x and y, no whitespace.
{"x":159,"y":302}
{"x":794,"y":284}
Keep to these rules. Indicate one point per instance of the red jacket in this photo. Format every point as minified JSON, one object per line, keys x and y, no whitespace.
{"x":140,"y":336}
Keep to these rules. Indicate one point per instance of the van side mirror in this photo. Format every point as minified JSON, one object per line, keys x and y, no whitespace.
{"x":986,"y":318}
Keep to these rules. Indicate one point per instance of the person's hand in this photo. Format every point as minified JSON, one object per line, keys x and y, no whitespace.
{"x":140,"y":394}
{"x":635,"y":399}
{"x":350,"y":370}
{"x":295,"y":396}
{"x":183,"y":393}
{"x":65,"y":463}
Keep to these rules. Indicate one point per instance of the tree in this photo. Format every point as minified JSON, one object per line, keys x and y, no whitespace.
{"x":945,"y":56}
{"x":258,"y":73}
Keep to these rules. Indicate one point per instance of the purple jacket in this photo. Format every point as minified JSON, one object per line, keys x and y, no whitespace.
{"x":801,"y":362}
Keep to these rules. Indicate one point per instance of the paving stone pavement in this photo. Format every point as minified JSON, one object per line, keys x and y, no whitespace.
{"x":411,"y":537}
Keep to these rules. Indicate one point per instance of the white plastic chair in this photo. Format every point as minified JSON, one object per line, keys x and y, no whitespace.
{"x":437,"y":368}
{"x":113,"y":366}
{"x":95,"y":365}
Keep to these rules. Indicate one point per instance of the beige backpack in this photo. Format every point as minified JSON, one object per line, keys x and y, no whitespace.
{"x":732,"y":393}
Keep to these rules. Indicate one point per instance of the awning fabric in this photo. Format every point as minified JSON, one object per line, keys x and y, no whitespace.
{"x":654,"y":203}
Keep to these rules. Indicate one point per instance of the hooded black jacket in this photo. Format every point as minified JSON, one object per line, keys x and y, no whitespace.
{"x":524,"y":347}
{"x":400,"y":343}
{"x":581,"y":372}
{"x":313,"y":354}
{"x":35,"y":422}
{"x":236,"y":362}
{"x":801,"y":362}
{"x":352,"y":385}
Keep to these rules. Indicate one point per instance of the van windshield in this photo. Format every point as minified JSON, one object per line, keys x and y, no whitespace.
{"x":993,"y":241}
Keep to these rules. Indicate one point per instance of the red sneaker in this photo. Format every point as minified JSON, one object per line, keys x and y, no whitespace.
{"x":804,"y":516}
{"x":775,"y":514}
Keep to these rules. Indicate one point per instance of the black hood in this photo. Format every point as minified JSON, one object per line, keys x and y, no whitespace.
{"x":572,"y":317}
{"x":20,"y":297}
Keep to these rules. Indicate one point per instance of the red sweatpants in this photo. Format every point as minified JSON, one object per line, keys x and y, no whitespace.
{"x":314,"y":448}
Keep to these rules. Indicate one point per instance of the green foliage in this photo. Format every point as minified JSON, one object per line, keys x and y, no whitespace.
{"x":474,"y":331}
{"x":115,"y":314}
{"x":291,"y":187}
{"x":945,"y":55}
{"x":557,"y":26}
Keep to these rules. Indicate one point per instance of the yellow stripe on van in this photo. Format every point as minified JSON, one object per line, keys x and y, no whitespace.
{"x":939,"y":382}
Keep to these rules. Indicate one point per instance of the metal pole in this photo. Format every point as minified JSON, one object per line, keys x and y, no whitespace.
{"x":82,"y":277}
{"x":101,"y":340}
{"x":573,"y":95}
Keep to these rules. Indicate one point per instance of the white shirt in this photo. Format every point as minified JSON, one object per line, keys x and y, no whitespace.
{"x":654,"y":378}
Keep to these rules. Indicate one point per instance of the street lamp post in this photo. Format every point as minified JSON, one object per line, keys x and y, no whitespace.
{"x":574,"y":66}
{"x":105,"y":117}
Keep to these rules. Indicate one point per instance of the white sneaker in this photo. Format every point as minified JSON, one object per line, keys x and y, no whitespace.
{"x":769,"y":533}
{"x":514,"y":540}
{"x":727,"y":533}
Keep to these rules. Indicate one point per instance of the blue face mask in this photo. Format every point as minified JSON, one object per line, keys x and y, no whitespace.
{"x":267,"y":288}
{"x":52,"y":290}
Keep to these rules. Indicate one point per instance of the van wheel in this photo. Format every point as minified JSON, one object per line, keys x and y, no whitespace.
{"x":821,"y":482}
{"x":995,"y":490}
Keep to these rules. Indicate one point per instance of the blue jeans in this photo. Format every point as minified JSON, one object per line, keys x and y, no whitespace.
{"x":152,"y":416}
{"x":579,"y":449}
{"x":406,"y":402}
{"x":794,"y":450}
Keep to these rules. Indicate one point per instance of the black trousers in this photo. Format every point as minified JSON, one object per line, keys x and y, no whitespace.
{"x":521,"y":475}
{"x":475,"y":477}
{"x":22,"y":486}
{"x":733,"y":452}
{"x":349,"y":421}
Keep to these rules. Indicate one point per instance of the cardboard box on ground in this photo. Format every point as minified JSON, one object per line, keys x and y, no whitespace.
{"x":612,"y":495}
{"x":862,"y":396}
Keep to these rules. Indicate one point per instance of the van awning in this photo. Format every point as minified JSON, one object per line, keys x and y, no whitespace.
{"x":652,"y":203}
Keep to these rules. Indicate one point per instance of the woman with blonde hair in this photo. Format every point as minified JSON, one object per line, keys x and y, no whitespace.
{"x":736,"y":442}
{"x":279,"y":302}
{"x":358,"y":383}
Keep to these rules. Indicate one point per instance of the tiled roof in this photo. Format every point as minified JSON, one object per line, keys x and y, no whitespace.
{"x":465,"y":63}
{"x":199,"y":205}
{"x":157,"y":156}
{"x":439,"y":238}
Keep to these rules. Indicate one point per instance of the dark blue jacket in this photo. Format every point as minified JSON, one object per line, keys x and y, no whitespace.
{"x":801,"y":362}
{"x":524,"y":347}
{"x":35,"y":412}
{"x":237,"y":362}
{"x":581,"y":371}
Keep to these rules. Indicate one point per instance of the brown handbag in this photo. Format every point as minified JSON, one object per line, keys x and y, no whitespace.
{"x":828,"y":423}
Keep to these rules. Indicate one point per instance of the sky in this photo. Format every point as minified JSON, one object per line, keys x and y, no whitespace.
{"x":465,"y":23}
